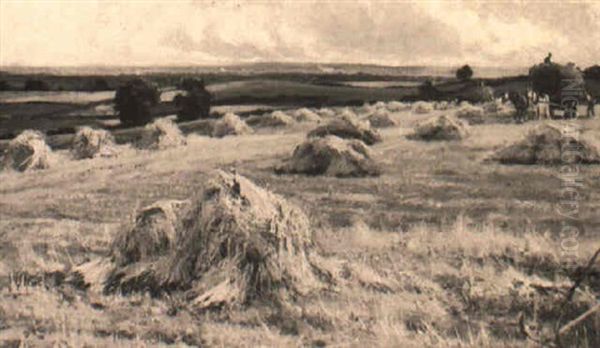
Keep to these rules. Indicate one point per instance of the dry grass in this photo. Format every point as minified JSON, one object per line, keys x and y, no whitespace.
{"x":442,"y":250}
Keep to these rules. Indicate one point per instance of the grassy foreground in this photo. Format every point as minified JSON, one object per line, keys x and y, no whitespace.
{"x":461,"y":248}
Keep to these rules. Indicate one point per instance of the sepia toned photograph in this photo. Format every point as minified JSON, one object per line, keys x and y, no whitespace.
{"x":300,"y":173}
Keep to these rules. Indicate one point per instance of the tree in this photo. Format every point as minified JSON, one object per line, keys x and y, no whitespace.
{"x":464,"y":73}
{"x":592,"y":72}
{"x":195,"y":103}
{"x":134,"y":100}
{"x":427,"y":91}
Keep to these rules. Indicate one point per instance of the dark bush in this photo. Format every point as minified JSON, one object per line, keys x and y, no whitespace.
{"x":98,"y":84}
{"x":134,"y":100}
{"x":592,"y":72}
{"x":36,"y":85}
{"x":4,"y":86}
{"x":195,"y":103}
{"x":464,"y":73}
{"x":551,"y":78}
{"x":427,"y":91}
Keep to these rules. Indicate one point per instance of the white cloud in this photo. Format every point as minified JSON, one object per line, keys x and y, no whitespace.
{"x":397,"y":33}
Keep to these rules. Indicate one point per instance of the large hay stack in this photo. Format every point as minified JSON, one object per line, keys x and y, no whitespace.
{"x":331,"y":156}
{"x":348,"y":126}
{"x":91,"y":143}
{"x":28,"y":151}
{"x":274,"y":119}
{"x":236,"y":242}
{"x":381,"y":119}
{"x":161,"y":134}
{"x":548,"y":144}
{"x":441,"y":128}
{"x":230,"y":124}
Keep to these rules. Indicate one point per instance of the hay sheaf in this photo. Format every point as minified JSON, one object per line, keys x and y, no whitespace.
{"x":230,"y":124}
{"x":235,"y":242}
{"x":422,"y":107}
{"x":28,"y":151}
{"x":395,"y":106}
{"x":331,"y":156}
{"x":274,"y":119}
{"x":471,"y":113}
{"x":306,"y":115}
{"x":548,"y":144}
{"x":161,"y":134}
{"x":348,"y":126}
{"x":91,"y":143}
{"x":381,"y":119}
{"x":441,"y":128}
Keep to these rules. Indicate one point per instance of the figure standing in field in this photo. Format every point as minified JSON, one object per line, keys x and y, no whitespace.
{"x":543,"y":107}
{"x":548,"y":59}
{"x":591,"y":103}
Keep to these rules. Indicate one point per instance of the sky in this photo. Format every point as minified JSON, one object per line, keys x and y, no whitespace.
{"x":159,"y":33}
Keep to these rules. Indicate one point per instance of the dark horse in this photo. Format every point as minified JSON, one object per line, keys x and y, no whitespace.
{"x":521,"y":104}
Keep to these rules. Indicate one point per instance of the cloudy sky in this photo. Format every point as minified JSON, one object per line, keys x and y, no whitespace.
{"x":142,"y":33}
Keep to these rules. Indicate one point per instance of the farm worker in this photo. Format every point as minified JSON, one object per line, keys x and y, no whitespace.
{"x":548,"y":59}
{"x":543,"y":107}
{"x":590,"y":106}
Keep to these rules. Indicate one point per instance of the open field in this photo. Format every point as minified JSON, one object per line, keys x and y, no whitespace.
{"x":448,"y":249}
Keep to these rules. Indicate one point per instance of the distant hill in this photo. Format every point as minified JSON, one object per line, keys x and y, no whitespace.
{"x":277,"y":68}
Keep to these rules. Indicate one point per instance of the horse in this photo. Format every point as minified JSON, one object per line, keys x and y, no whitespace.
{"x":521,"y":104}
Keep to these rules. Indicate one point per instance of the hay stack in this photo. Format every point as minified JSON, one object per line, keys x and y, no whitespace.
{"x":236,"y":242}
{"x":90,"y":143}
{"x":471,"y":113}
{"x":381,"y":119}
{"x":546,"y":144}
{"x":441,"y":128}
{"x":396,"y":106}
{"x":331,"y":156}
{"x":422,"y":107}
{"x":325,"y":113}
{"x":28,"y":151}
{"x":442,"y":105}
{"x":274,"y":119}
{"x":230,"y":124}
{"x":348,"y":126}
{"x":306,"y":115}
{"x":161,"y":134}
{"x":153,"y":235}
{"x":498,"y":108}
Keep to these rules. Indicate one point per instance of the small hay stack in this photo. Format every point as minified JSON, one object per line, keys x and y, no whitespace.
{"x":326,"y":113}
{"x":441,"y":105}
{"x":471,"y":113}
{"x":381,"y":119}
{"x":161,"y":134}
{"x":230,"y":124}
{"x":348,"y":126}
{"x":396,"y":106}
{"x":441,"y":128}
{"x":547,"y":144}
{"x":28,"y":151}
{"x":91,"y":143}
{"x":331,"y":156}
{"x":275,"y":119}
{"x":237,"y":242}
{"x":306,"y":115}
{"x":422,"y":107}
